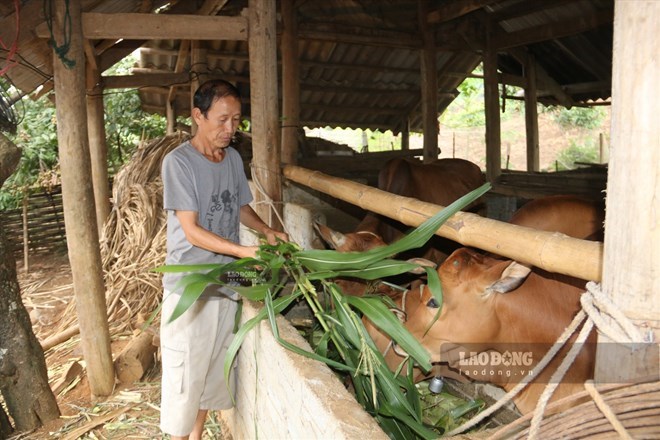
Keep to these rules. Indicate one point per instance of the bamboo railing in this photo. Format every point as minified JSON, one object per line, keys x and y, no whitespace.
{"x":553,"y":252}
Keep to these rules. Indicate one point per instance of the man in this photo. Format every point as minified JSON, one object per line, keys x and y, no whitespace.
{"x":206,"y":195}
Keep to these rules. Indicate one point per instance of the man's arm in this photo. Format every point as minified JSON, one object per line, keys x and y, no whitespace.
{"x":200,"y":237}
{"x":250,"y":219}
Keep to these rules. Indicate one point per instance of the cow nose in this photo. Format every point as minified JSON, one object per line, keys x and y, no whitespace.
{"x":432,"y":303}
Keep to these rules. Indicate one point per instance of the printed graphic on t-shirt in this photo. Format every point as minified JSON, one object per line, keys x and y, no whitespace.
{"x":220,"y":215}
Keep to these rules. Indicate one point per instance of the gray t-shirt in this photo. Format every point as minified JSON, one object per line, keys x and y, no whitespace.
{"x":216,"y":191}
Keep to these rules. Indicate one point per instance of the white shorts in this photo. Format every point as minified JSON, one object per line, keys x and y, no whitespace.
{"x":193,"y":349}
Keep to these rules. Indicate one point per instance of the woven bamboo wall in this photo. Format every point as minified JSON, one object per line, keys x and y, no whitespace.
{"x":45,"y":222}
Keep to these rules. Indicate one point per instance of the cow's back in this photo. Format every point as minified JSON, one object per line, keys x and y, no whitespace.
{"x":570,"y":215}
{"x":440,"y":182}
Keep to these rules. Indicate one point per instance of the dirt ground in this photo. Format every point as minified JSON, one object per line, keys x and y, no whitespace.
{"x":132,"y":411}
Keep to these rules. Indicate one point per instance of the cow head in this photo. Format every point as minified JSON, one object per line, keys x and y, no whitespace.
{"x":471,"y":285}
{"x":359,"y":241}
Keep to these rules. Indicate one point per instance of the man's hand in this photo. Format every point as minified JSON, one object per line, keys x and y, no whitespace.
{"x":272,"y":236}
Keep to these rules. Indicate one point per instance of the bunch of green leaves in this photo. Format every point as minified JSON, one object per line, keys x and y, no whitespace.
{"x":391,"y":398}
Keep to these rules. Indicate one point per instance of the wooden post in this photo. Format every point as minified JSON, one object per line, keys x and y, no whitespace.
{"x":263,"y":99}
{"x":531,"y":115}
{"x":631,"y":275}
{"x":170,"y":114}
{"x":429,"y":88}
{"x":78,"y":200}
{"x":405,"y":138}
{"x":198,"y":69}
{"x":98,"y":145}
{"x":492,"y":108}
{"x":290,"y":83}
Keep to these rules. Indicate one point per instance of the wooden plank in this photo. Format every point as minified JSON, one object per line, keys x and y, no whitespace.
{"x":136,"y":26}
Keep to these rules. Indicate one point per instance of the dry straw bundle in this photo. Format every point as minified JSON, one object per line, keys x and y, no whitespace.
{"x":133,"y":239}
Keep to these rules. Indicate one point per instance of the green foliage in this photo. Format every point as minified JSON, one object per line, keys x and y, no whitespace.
{"x":584,"y":152}
{"x":126,"y":124}
{"x":584,"y":117}
{"x":36,"y":136}
{"x":467,"y":110}
{"x":392,"y":399}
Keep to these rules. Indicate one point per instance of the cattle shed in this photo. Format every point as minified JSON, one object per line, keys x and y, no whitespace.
{"x":371,"y":64}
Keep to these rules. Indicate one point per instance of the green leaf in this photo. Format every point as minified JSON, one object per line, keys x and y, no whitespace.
{"x":373,"y":308}
{"x":323,"y":260}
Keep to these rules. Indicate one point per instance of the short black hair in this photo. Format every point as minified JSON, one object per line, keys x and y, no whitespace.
{"x":211,"y":90}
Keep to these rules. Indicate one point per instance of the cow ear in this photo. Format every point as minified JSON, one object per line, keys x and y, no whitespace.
{"x":512,"y":277}
{"x":333,"y":238}
{"x":422,"y":262}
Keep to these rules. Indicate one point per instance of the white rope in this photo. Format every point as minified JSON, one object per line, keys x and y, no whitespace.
{"x":522,"y":384}
{"x":267,"y":200}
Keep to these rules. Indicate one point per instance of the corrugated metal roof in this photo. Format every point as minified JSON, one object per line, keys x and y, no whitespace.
{"x":347,"y":82}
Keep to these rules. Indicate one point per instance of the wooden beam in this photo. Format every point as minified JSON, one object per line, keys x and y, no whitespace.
{"x":505,"y":40}
{"x":452,"y":9}
{"x":135,"y":26}
{"x":522,"y":9}
{"x":145,"y":79}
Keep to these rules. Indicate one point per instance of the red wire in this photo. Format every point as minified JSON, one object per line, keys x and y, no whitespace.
{"x":10,"y":61}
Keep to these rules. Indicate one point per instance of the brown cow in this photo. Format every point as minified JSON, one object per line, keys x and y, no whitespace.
{"x":490,"y":302}
{"x":440,"y":182}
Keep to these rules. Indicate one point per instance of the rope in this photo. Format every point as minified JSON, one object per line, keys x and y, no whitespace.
{"x":619,"y":328}
{"x":267,"y":200}
{"x":63,"y":49}
{"x":577,"y":320}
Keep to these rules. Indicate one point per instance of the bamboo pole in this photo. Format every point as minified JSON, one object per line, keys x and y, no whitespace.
{"x":290,"y":82}
{"x":550,"y":251}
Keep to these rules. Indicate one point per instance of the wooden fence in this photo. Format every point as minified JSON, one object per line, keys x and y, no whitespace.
{"x":41,"y":219}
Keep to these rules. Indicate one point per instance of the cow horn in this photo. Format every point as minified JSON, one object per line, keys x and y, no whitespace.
{"x":330,"y":236}
{"x":422,"y":262}
{"x":512,"y":277}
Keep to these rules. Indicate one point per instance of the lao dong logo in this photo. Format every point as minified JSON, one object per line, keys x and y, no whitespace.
{"x":495,"y":358}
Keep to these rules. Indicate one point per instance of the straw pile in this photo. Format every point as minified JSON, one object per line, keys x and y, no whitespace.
{"x":133,"y":239}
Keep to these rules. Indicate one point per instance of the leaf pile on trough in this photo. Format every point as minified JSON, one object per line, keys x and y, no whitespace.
{"x":392,"y":399}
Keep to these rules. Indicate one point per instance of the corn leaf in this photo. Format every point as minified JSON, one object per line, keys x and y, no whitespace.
{"x":321,"y":260}
{"x":380,"y":315}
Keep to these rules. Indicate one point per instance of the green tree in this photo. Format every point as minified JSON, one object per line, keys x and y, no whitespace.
{"x":126,"y":124}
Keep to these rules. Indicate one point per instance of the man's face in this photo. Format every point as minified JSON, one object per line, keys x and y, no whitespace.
{"x":220,"y":123}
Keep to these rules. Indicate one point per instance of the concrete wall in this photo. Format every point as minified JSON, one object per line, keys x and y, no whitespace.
{"x":282,"y":395}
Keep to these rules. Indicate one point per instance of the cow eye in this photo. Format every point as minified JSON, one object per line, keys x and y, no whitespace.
{"x":432,"y":303}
